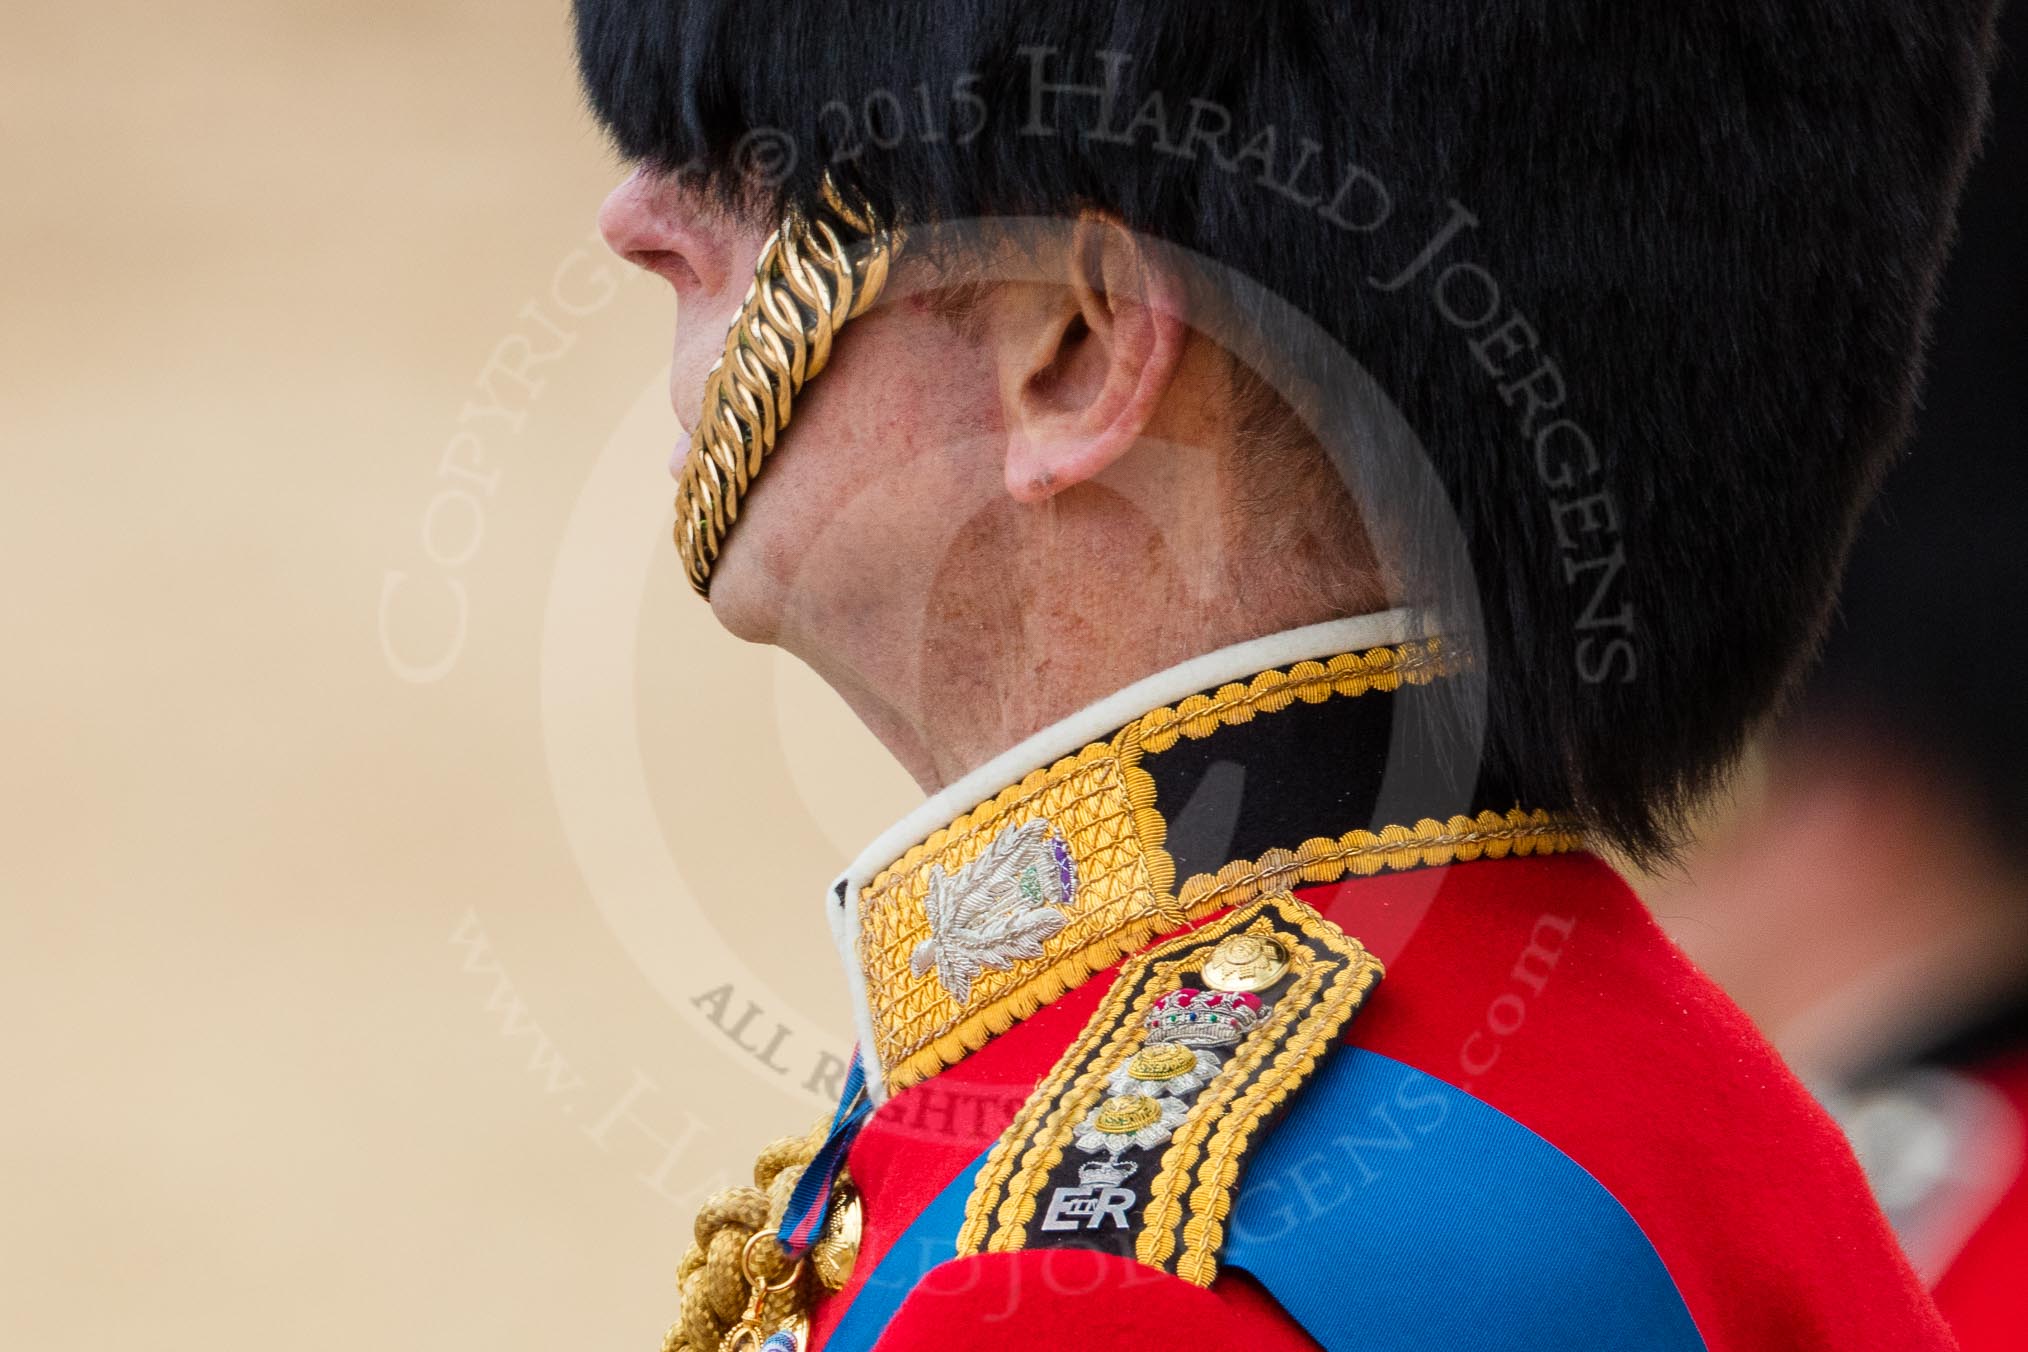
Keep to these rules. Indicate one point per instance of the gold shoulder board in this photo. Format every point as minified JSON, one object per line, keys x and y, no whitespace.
{"x":1134,"y":1143}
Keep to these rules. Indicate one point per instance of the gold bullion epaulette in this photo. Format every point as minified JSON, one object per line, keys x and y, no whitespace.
{"x":1135,"y":1142}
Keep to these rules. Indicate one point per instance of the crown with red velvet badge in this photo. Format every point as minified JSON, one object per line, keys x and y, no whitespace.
{"x":1200,"y":1018}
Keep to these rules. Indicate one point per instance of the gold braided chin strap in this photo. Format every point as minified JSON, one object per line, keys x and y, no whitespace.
{"x":819,"y":269}
{"x":711,"y":1287}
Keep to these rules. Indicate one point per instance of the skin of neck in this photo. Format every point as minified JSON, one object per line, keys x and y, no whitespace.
{"x":1027,"y":475}
{"x":993,"y":511}
{"x":1038,"y":609}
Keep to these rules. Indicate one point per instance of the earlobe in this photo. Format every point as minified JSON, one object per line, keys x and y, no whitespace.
{"x":1098,"y":364}
{"x":1031,"y":475}
{"x":1039,"y":470}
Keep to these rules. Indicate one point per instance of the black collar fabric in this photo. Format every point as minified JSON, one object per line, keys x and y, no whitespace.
{"x":1322,"y":769}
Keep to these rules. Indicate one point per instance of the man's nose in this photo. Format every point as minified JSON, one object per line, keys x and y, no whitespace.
{"x":654,"y":222}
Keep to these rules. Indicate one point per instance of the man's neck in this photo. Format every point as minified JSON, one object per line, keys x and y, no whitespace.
{"x":1099,"y":718}
{"x":1032,"y":612}
{"x":1307,"y":755}
{"x":978,"y":690}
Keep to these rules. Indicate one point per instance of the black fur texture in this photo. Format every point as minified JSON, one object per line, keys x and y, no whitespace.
{"x":1924,"y":660}
{"x":1722,"y":221}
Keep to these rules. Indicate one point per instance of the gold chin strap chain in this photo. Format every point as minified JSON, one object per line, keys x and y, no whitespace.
{"x":819,"y":269}
{"x":738,"y":1291}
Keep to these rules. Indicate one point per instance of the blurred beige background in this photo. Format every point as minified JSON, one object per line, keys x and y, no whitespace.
{"x":411,"y":898}
{"x":348,"y":1001}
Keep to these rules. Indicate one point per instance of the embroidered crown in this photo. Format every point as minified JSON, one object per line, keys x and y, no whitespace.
{"x":1106,"y":1172}
{"x":1199,"y":1018}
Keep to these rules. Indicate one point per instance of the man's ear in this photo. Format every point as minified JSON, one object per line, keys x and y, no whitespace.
{"x":1084,"y":364}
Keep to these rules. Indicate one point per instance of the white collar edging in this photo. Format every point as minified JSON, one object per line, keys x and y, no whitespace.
{"x":1207,"y":672}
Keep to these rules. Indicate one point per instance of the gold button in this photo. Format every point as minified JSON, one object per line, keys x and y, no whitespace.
{"x":1245,"y":962}
{"x":837,"y":1249}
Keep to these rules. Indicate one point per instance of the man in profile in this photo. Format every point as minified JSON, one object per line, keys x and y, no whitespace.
{"x":1287,"y":484}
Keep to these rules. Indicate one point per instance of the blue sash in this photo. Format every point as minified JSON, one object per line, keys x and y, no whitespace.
{"x":1392,"y":1212}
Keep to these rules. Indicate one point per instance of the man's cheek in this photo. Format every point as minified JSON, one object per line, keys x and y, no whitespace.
{"x":699,"y":342}
{"x":689,"y":364}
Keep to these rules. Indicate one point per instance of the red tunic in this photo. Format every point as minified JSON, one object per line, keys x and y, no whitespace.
{"x":1982,"y":1292}
{"x":1539,"y":986}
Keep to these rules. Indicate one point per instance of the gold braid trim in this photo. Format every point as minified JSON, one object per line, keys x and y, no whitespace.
{"x":1006,"y":1186}
{"x":1312,"y":682}
{"x":1362,"y":853}
{"x":917,"y":1032}
{"x":819,"y":269}
{"x":1294,"y":1059}
{"x":1166,"y":1193}
{"x":1429,"y":843}
{"x":711,"y":1292}
{"x":1012,"y":801}
{"x":1104,"y":802}
{"x":1190,"y":1194}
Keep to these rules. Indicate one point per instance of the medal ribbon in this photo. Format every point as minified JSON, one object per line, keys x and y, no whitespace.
{"x":810,"y":1203}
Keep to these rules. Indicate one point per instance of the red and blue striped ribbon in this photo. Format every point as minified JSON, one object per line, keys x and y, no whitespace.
{"x":810,"y":1203}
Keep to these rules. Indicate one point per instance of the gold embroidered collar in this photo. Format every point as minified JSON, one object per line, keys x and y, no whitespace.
{"x":968,"y":928}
